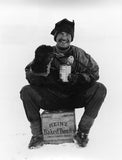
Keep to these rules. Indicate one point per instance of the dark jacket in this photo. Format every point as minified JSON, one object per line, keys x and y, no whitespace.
{"x":84,"y":72}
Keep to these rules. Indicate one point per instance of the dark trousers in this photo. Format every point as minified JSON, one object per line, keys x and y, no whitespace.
{"x":35,"y":99}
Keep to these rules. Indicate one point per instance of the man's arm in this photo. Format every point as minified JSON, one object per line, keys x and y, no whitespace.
{"x":39,"y":68}
{"x":34,"y":78}
{"x":91,"y":72}
{"x":86,"y":71}
{"x":43,"y":58}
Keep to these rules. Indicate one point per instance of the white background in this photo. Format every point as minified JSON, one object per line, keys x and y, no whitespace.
{"x":26,"y":24}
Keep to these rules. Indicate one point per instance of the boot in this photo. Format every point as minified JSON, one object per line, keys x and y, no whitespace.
{"x":81,"y":137}
{"x":35,"y":142}
{"x":37,"y":136}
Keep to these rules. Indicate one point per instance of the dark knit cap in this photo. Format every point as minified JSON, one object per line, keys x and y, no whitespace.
{"x":64,"y":26}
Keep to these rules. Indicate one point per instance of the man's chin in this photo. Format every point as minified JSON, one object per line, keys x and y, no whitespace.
{"x":63,"y":46}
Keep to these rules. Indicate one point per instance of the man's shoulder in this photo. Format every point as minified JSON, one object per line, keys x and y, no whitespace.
{"x":77,"y":50}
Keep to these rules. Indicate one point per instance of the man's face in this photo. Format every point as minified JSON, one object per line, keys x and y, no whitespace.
{"x":63,"y":40}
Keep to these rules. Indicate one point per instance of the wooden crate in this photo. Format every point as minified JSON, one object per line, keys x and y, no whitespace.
{"x":58,"y":127}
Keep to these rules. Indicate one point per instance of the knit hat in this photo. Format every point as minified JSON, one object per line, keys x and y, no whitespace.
{"x":64,"y":26}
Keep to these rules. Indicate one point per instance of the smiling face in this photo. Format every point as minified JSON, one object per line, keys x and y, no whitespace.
{"x":63,"y":40}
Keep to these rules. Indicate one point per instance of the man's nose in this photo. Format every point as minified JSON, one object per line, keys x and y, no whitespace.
{"x":64,"y":34}
{"x":64,"y":38}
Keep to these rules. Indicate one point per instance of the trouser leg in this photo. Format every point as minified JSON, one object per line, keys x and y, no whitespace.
{"x":85,"y":124}
{"x":31,"y":102}
{"x":94,"y":98}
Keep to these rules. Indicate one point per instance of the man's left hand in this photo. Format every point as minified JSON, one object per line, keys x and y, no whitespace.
{"x":81,"y":78}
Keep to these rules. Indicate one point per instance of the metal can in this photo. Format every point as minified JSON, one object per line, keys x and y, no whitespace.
{"x":65,"y":70}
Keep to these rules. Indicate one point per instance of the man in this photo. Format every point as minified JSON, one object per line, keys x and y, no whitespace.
{"x":62,"y":77}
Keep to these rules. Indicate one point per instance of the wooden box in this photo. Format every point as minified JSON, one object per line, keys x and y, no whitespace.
{"x":58,"y":127}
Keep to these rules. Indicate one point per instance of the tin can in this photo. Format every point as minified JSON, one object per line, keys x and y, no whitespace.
{"x":65,"y":70}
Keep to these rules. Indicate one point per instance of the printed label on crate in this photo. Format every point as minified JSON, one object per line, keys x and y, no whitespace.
{"x":58,"y":128}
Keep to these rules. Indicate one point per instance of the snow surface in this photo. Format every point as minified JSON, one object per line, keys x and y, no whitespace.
{"x":24,"y":25}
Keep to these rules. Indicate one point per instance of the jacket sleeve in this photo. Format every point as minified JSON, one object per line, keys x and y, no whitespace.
{"x":38,"y":70}
{"x":87,"y":68}
{"x":34,"y":78}
{"x":43,"y":57}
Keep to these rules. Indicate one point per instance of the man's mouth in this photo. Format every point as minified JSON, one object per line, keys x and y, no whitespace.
{"x":63,"y":41}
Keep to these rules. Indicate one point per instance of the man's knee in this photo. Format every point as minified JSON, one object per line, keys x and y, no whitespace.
{"x":25,"y":91}
{"x":102,"y":90}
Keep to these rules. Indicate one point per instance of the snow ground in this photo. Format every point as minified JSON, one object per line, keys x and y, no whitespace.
{"x":22,"y":29}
